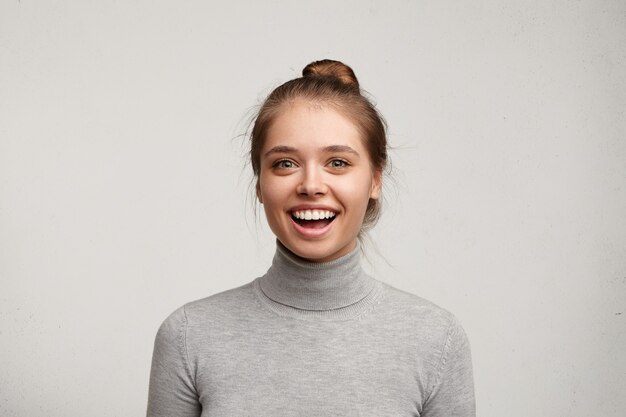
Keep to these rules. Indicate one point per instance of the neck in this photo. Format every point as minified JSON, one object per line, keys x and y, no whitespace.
{"x":305,"y":285}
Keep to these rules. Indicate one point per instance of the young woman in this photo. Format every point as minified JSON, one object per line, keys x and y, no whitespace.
{"x":314,"y":336}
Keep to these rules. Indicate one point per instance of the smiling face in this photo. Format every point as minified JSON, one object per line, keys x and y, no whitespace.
{"x":315,"y":180}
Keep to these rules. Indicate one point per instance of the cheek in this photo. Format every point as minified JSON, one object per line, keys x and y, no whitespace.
{"x":356,"y":195}
{"x":271,"y":192}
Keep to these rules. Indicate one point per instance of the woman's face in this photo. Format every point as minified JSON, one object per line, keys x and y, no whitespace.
{"x":315,"y":181}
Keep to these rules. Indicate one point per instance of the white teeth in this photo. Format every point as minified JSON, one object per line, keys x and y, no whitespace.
{"x":313,"y":214}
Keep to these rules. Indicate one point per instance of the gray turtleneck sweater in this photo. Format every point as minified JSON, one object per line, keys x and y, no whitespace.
{"x":311,"y":339}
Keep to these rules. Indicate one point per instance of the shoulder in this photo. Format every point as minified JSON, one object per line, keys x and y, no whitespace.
{"x":421,"y":318}
{"x":404,"y":303}
{"x":223,"y":306}
{"x":233,"y":301}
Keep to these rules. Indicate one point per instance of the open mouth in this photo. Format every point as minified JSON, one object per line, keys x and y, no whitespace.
{"x":313,"y":219}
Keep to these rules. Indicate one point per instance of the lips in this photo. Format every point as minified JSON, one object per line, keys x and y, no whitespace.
{"x":312,"y":222}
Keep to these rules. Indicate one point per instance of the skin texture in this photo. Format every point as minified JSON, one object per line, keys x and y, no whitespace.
{"x":314,"y":157}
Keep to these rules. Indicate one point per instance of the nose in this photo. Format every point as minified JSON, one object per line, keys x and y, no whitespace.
{"x":312,"y":183}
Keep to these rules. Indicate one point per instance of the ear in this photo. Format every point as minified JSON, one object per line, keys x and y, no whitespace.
{"x":377,"y":183}
{"x":258,"y":192}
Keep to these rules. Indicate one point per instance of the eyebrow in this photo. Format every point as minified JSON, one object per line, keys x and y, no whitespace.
{"x":280,"y":149}
{"x":340,"y":149}
{"x":330,"y":149}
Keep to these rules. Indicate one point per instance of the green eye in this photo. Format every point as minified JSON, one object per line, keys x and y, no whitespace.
{"x":284,"y":164}
{"x":338,"y":163}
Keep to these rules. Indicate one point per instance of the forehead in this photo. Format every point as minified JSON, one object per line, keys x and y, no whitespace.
{"x":309,"y":125}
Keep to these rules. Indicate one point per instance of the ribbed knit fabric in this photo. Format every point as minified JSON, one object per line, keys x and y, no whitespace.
{"x":336,"y":290}
{"x":311,"y":340}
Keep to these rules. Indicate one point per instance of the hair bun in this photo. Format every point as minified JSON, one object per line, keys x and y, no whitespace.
{"x":334,"y":69}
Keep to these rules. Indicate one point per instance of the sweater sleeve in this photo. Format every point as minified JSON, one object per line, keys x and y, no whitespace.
{"x":453,"y":392}
{"x":172,"y":391}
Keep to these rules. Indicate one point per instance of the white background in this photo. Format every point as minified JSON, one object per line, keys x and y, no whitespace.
{"x":123,"y":190}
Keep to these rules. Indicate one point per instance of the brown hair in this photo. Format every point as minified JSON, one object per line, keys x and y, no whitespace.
{"x":331,"y":83}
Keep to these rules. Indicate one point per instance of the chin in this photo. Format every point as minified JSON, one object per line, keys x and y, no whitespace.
{"x":318,"y":251}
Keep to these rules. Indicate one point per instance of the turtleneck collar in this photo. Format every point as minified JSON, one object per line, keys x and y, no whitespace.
{"x":304,"y":285}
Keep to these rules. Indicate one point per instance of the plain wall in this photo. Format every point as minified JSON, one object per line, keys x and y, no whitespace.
{"x":124,"y":192}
